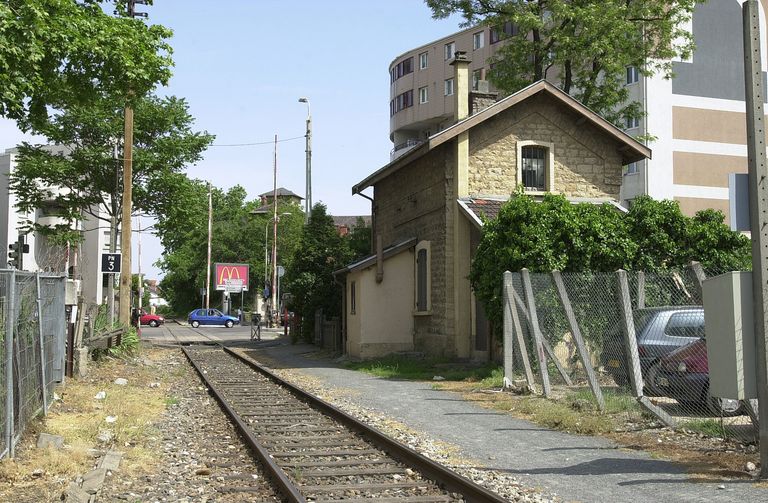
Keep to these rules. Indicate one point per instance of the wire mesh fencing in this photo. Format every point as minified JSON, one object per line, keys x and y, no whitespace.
{"x":32,"y":335}
{"x":631,"y":344}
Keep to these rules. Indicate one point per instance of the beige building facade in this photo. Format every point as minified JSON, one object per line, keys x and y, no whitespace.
{"x":539,"y":139}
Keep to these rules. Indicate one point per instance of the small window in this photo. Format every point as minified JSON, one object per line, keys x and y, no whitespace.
{"x":534,"y":167}
{"x":478,"y":40}
{"x":631,"y":168}
{"x":423,"y":60}
{"x":477,"y":76}
{"x":352,"y":298}
{"x":633,"y":75}
{"x":501,"y":32}
{"x":450,"y":49}
{"x":449,"y":87}
{"x":423,"y":95}
{"x":423,"y":281}
{"x":631,"y":122}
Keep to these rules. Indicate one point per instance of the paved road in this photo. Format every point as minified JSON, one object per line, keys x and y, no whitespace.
{"x":577,"y":468}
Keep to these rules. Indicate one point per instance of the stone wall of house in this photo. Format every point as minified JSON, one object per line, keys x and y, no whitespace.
{"x":411,"y":203}
{"x":587,"y":163}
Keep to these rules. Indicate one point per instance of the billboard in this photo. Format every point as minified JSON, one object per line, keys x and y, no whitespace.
{"x":231,"y":277}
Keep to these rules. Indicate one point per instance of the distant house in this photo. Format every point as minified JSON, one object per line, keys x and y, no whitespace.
{"x":345,"y":224}
{"x":283,"y":196}
{"x":414,"y":293}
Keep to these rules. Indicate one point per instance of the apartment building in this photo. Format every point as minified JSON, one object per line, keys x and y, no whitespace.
{"x":81,"y":261}
{"x":697,"y":118}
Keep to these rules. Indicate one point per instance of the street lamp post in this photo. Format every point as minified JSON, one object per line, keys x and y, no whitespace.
{"x":308,"y":136}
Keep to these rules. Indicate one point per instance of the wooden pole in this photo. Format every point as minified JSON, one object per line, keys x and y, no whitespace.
{"x":208,"y":266}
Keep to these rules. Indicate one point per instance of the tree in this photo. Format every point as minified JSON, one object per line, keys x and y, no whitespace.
{"x":584,"y":45}
{"x":238,"y":236}
{"x":55,"y":53}
{"x":359,"y":239}
{"x":556,"y":234}
{"x":310,"y":279}
{"x":86,"y":180}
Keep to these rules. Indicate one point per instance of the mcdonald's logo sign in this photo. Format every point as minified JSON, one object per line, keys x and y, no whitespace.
{"x":231,"y":277}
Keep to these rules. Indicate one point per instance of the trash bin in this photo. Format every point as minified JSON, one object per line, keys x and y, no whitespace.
{"x":255,"y":318}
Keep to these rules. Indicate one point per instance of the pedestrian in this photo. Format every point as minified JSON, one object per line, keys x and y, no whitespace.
{"x":240,"y":315}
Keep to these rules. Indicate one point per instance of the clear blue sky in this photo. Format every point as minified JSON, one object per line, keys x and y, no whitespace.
{"x":243,"y":64}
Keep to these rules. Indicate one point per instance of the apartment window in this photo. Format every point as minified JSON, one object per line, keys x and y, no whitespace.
{"x":501,"y":32}
{"x":423,"y":60}
{"x":477,"y":76}
{"x":450,"y":49}
{"x":423,"y":280}
{"x":631,"y":168}
{"x":449,"y":87}
{"x":633,"y":75}
{"x":402,"y":101}
{"x":402,"y":68}
{"x":352,"y":297}
{"x":535,"y":166}
{"x":423,"y":95}
{"x":631,"y":122}
{"x":478,"y":40}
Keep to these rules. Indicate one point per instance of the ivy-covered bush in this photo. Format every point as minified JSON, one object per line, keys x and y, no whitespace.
{"x":556,"y":234}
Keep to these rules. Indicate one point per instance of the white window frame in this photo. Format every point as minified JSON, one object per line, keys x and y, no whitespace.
{"x":450,"y":50}
{"x":549,"y":171}
{"x":632,"y":168}
{"x":633,"y":75}
{"x":631,"y":123}
{"x":427,"y":246}
{"x":423,"y":95}
{"x":423,"y":60}
{"x":448,"y":88}
{"x":475,"y":82}
{"x":478,"y":40}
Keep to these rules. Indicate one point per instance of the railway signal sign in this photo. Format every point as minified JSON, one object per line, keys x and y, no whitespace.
{"x":110,"y":263}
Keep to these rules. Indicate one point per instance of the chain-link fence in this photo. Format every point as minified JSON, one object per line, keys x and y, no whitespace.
{"x":630,"y":343}
{"x":32,"y":347}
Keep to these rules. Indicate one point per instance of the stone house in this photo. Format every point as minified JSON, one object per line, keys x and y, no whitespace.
{"x":414,"y":294}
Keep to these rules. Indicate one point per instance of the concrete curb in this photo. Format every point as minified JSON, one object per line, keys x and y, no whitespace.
{"x":86,"y":488}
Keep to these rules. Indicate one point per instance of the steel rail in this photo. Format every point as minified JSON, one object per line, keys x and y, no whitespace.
{"x":288,"y":489}
{"x":436,"y":472}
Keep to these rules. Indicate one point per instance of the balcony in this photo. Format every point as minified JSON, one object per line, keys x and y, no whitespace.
{"x":402,"y":148}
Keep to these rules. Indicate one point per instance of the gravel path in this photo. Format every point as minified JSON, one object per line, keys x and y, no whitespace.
{"x":571,"y":467}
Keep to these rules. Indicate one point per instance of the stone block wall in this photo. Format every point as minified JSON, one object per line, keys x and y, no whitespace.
{"x":587,"y":162}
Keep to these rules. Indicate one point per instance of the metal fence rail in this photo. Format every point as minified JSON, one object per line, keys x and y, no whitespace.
{"x":632,"y":342}
{"x":32,"y":338}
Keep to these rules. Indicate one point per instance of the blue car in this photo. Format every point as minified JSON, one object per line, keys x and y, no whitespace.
{"x":211,"y":317}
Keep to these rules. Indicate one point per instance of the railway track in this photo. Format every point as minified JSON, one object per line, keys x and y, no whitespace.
{"x":314,"y":451}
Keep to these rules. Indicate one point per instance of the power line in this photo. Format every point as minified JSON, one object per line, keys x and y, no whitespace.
{"x":270,"y":142}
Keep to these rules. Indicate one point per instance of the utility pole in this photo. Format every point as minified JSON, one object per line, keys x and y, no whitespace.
{"x":125,"y":237}
{"x":308,"y":136}
{"x":208,"y":268}
{"x":758,"y":205}
{"x":274,"y":230}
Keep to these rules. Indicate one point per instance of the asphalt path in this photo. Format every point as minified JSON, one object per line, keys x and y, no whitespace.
{"x":576,"y":468}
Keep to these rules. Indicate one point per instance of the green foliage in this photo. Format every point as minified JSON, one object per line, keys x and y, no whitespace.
{"x":585,"y":45}
{"x":360,"y":240}
{"x":310,"y":278}
{"x":402,"y":367}
{"x":237,"y":236}
{"x":84,"y":179}
{"x":56,"y":53}
{"x":555,"y":234}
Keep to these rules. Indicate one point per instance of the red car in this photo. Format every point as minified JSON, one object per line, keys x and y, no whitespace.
{"x":153,"y":320}
{"x":684,"y":376}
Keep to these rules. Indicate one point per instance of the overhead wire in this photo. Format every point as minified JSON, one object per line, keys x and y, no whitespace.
{"x":270,"y":142}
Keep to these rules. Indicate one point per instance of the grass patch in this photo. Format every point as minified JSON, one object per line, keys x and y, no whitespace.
{"x":79,"y":417}
{"x":171,"y":400}
{"x":709,"y":427}
{"x":401,"y":367}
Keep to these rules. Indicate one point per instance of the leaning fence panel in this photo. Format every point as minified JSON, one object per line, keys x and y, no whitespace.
{"x":661,"y":312}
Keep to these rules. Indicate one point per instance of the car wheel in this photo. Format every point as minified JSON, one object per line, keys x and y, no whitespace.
{"x":650,"y":387}
{"x":725,"y":406}
{"x":195,"y":324}
{"x":229,"y":323}
{"x":153,"y":323}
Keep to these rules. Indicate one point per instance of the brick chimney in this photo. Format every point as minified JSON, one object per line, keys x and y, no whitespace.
{"x":460,"y":65}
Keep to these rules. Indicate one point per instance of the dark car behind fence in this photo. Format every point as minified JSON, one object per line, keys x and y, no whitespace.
{"x":632,"y":340}
{"x":32,"y":349}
